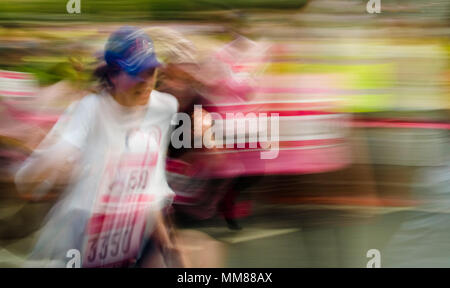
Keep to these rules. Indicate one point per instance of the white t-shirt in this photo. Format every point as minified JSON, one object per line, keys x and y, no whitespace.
{"x":111,"y":138}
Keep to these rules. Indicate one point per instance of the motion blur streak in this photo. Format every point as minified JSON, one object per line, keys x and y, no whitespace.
{"x":363,"y":104}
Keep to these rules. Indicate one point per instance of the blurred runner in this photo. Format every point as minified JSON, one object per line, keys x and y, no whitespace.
{"x":110,"y":147}
{"x":202,"y":188}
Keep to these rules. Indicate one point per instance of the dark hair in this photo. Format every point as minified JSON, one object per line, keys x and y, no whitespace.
{"x":103,"y":74}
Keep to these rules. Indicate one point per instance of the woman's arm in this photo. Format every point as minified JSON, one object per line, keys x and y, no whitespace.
{"x":166,"y":246}
{"x":53,"y":161}
{"x":46,"y":168}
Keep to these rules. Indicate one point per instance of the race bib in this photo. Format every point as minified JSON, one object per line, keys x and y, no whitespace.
{"x":123,"y":207}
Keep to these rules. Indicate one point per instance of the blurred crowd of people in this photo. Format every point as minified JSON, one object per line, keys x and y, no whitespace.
{"x":361,"y":136}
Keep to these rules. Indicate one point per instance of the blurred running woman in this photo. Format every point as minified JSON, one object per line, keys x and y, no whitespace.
{"x":117,"y":140}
